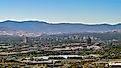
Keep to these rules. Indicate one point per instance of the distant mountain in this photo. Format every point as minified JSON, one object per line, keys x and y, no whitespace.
{"x":40,"y":26}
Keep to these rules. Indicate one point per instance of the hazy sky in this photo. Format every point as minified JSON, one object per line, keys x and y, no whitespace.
{"x":86,"y":11}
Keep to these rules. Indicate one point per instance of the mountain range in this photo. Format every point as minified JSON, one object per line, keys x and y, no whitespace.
{"x":40,"y":26}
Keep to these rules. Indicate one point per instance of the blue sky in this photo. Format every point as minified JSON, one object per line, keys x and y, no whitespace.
{"x":84,"y":11}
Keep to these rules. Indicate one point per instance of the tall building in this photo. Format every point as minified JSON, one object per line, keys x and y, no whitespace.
{"x":88,"y":41}
{"x":25,"y":39}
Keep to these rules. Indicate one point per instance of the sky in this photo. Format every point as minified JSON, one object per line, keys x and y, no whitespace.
{"x":62,"y":11}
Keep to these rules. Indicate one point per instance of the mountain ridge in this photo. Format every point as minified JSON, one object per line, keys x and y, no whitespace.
{"x":41,"y":26}
{"x":57,"y":23}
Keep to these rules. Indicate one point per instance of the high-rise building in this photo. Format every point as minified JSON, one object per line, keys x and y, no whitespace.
{"x":25,"y":39}
{"x":88,"y":41}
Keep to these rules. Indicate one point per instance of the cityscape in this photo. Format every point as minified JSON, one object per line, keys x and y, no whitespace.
{"x":60,"y":33}
{"x":63,"y":50}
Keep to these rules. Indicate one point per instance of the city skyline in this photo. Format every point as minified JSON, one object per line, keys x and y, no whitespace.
{"x":62,"y":11}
